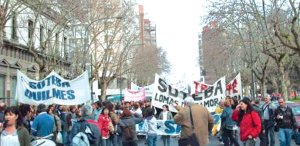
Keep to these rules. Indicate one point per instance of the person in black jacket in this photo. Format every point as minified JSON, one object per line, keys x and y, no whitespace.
{"x":286,"y":122}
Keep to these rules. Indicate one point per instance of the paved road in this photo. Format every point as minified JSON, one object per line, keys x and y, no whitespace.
{"x":213,"y":141}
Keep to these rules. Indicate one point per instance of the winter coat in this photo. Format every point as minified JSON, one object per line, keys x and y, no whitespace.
{"x":250,"y":124}
{"x":104,"y":121}
{"x":169,"y":115}
{"x":288,"y":120}
{"x":129,"y":121}
{"x":201,"y":117}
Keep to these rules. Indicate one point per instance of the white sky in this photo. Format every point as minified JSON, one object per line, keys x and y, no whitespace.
{"x":178,"y":24}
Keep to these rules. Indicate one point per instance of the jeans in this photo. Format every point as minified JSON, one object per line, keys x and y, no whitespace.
{"x":269,"y":133}
{"x":65,"y":136}
{"x":249,"y":142}
{"x":229,"y":138}
{"x":285,"y":136}
{"x":105,"y":142}
{"x":166,"y":140}
{"x":151,"y":140}
{"x":115,"y":140}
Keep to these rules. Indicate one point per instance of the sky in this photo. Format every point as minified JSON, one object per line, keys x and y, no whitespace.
{"x":178,"y":25}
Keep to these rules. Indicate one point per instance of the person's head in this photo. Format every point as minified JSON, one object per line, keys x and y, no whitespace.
{"x":281,"y":102}
{"x":41,"y":108}
{"x":12,"y":116}
{"x":227,"y":103}
{"x":50,"y":109}
{"x":245,"y":104}
{"x":86,"y":111}
{"x":127,"y":104}
{"x":25,"y":110}
{"x":105,"y":111}
{"x":126,"y":113}
{"x":142,"y":105}
{"x":267,"y":98}
{"x":149,"y":111}
{"x":72,"y":108}
{"x":165,"y":108}
{"x":110,"y":107}
{"x":256,"y":101}
{"x":188,"y":101}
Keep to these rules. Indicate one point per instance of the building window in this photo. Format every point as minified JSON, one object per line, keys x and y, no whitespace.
{"x":30,"y":29}
{"x":42,"y":36}
{"x":14,"y":27}
{"x":13,"y":85}
{"x":2,"y":86}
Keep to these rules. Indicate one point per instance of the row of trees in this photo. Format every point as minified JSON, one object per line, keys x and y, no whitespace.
{"x":103,"y":37}
{"x":265,"y":37}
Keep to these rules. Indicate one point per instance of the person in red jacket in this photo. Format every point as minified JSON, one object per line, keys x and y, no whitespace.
{"x":104,"y":122}
{"x":248,"y":121}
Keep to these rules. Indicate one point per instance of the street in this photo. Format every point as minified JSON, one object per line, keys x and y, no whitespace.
{"x":213,"y":141}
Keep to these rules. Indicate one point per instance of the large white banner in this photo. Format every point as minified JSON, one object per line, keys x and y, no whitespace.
{"x":53,"y":89}
{"x":166,"y":94}
{"x":234,"y":87}
{"x":168,"y":127}
{"x":136,"y":96}
{"x":148,"y":89}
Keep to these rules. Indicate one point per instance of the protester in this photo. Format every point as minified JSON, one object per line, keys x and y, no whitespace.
{"x":249,"y":122}
{"x":57,"y":122}
{"x":268,"y":121}
{"x":97,"y":109}
{"x":137,"y":109}
{"x":43,"y":123}
{"x":202,"y":120}
{"x":66,"y":124}
{"x":25,"y":111}
{"x":14,"y":133}
{"x":262,"y":136}
{"x":150,"y":127}
{"x":114,"y":136}
{"x":165,"y":115}
{"x":105,"y":121}
{"x":228,"y":125}
{"x":286,"y":122}
{"x":126,"y":125}
{"x":84,"y":115}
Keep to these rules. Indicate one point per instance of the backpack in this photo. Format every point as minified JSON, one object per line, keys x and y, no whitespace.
{"x":84,"y":137}
{"x":128,"y":132}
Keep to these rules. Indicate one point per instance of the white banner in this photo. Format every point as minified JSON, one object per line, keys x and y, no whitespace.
{"x":53,"y":90}
{"x":168,"y":127}
{"x":234,"y":87}
{"x":130,"y":95}
{"x":148,"y":89}
{"x":166,"y":94}
{"x":211,"y":97}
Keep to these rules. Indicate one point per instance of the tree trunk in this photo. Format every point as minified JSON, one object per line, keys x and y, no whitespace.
{"x":1,"y":36}
{"x":283,"y":82}
{"x":103,"y":90}
{"x":263,"y":88}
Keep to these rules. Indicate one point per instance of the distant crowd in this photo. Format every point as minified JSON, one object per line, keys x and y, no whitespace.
{"x":114,"y":124}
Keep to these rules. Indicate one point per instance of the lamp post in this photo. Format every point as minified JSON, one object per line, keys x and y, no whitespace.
{"x":86,"y":35}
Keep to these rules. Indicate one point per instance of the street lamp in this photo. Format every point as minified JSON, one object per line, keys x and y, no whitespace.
{"x":86,"y":35}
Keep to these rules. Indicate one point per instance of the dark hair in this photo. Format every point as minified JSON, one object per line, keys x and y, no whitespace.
{"x":248,"y":110}
{"x":24,"y":109}
{"x":102,"y":112}
{"x":149,"y":111}
{"x":110,"y":107}
{"x":15,"y":110}
{"x":166,"y":106}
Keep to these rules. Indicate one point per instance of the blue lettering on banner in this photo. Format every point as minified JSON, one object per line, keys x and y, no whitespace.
{"x":46,"y":94}
{"x":51,"y":80}
{"x":170,"y":127}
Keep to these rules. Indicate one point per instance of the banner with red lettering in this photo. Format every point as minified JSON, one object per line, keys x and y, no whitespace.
{"x":234,"y":87}
{"x":131,"y":95}
{"x":200,"y":87}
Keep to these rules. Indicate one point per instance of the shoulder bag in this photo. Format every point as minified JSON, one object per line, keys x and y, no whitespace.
{"x":192,"y":139}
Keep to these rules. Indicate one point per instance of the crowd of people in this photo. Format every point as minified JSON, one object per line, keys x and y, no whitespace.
{"x":255,"y":121}
{"x":110,"y":124}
